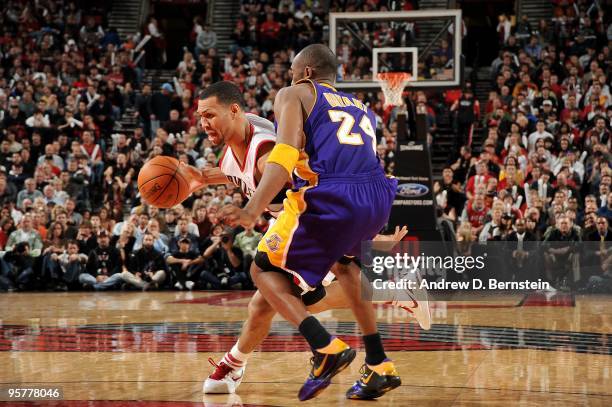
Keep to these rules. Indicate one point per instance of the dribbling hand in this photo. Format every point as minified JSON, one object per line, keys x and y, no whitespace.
{"x":197,"y":179}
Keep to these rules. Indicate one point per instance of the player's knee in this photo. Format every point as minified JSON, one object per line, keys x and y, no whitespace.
{"x":259,"y":309}
{"x":340,"y":269}
{"x":316,"y":308}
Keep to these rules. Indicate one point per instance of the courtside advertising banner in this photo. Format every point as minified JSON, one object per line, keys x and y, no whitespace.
{"x":414,"y":197}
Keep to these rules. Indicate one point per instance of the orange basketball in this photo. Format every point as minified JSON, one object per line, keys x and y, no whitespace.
{"x":161,"y":182}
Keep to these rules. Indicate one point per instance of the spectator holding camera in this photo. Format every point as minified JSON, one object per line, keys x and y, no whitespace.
{"x":223,"y":261}
{"x":16,"y":268}
{"x":145,"y":268}
{"x":26,"y":233}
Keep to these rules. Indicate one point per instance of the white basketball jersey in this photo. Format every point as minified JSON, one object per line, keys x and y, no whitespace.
{"x":243,"y":174}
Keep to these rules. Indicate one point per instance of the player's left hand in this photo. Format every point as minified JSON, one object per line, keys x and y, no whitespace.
{"x":388,"y":242}
{"x":233,"y":216}
{"x":399,"y":234}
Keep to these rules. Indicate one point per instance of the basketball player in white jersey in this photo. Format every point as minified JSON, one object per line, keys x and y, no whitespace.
{"x":249,"y":140}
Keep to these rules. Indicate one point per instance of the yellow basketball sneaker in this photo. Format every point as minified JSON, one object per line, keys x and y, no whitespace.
{"x":374,"y":381}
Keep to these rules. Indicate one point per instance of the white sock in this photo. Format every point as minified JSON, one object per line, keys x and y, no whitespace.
{"x":235,"y":358}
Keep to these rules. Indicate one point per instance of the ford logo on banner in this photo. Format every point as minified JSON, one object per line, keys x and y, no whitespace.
{"x":412,"y":190}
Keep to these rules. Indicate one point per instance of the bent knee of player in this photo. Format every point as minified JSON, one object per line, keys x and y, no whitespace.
{"x":335,"y":298}
{"x":318,"y":307}
{"x":340,"y":269}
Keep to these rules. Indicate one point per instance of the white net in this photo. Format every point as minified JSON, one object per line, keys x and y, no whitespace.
{"x":393,"y":84}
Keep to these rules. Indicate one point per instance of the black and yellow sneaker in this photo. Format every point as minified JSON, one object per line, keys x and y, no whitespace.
{"x":338,"y":355}
{"x":374,"y":381}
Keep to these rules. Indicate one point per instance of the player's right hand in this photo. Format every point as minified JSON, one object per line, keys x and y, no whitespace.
{"x":197,"y":178}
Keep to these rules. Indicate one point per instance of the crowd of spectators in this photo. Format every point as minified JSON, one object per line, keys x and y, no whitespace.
{"x":70,"y":212}
{"x":543,"y":172}
{"x":71,"y":216}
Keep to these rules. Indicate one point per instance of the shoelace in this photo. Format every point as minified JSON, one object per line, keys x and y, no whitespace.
{"x":313,"y":361}
{"x":221,"y":369}
{"x":362,"y":370}
{"x":405,"y":308}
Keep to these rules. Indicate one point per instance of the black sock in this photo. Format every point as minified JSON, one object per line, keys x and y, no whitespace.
{"x":375,"y":353}
{"x":315,"y":334}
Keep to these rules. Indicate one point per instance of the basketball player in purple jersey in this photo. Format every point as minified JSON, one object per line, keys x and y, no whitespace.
{"x":341,"y":198}
{"x":248,"y":141}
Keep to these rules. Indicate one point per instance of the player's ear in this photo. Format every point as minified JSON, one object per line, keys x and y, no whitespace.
{"x":234,"y":109}
{"x":307,"y":72}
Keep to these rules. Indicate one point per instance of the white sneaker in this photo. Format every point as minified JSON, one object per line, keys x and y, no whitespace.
{"x":189,"y":285}
{"x":224,"y":380}
{"x":415,"y":301}
{"x":178,"y":286}
{"x":231,"y":400}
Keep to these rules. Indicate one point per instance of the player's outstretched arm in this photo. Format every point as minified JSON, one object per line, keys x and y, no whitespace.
{"x":202,"y":178}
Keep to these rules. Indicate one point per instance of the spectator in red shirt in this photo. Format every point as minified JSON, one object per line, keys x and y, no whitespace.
{"x":475,"y":212}
{"x":481,"y":177}
{"x":269,"y":31}
{"x":93,"y":153}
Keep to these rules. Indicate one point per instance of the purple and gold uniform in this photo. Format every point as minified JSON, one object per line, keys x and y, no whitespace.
{"x":341,"y":195}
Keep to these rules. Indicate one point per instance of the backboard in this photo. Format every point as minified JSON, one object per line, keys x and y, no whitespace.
{"x":422,"y":43}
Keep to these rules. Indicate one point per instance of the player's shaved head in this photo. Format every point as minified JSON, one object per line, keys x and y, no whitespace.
{"x":226,"y":93}
{"x":320,"y":59}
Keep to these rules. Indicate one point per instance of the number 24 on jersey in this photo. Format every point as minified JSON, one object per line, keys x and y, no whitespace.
{"x":345,"y":131}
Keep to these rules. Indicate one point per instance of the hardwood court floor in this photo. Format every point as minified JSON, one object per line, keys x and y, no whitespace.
{"x":119,"y":348}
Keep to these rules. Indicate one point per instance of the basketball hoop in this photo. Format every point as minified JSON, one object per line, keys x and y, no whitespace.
{"x":393,"y":84}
